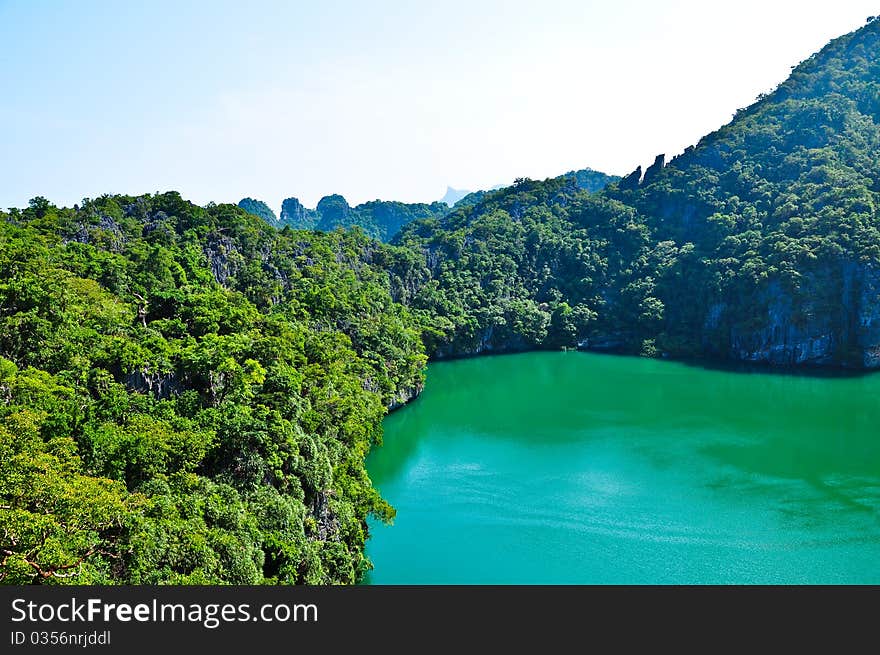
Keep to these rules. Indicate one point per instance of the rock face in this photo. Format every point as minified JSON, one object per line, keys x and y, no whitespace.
{"x":488,"y":342}
{"x":405,"y":395}
{"x":653,"y":169}
{"x":160,"y":385}
{"x":223,"y":257}
{"x":867,"y":318}
{"x":789,"y":334}
{"x":296,"y":216}
{"x":813,"y":328}
{"x":631,"y":181}
{"x":326,"y":521}
{"x":840,"y":327}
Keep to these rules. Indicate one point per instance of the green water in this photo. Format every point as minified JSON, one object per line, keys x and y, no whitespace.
{"x":583,"y":468}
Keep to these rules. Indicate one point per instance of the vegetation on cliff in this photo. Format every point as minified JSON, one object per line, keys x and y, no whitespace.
{"x":380,"y":219}
{"x":383,"y":219}
{"x":258,"y":208}
{"x":759,"y":243}
{"x":189,"y":394}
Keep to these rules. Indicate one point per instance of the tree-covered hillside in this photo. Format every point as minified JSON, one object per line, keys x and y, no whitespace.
{"x":585,"y":179}
{"x":380,"y":219}
{"x":535,"y":265}
{"x":383,"y":219}
{"x":258,"y":208}
{"x":778,"y":211}
{"x":189,"y":394}
{"x":760,"y":243}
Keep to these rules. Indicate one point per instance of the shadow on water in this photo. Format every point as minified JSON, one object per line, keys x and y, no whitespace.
{"x":706,"y":363}
{"x":804,"y":370}
{"x":403,"y":432}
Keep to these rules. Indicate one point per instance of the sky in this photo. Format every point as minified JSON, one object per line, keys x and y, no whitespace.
{"x":391,"y":100}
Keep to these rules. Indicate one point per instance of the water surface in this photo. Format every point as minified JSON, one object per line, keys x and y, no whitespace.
{"x":585,"y":468}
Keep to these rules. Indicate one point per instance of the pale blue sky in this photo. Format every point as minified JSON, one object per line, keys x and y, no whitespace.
{"x":390,"y":100}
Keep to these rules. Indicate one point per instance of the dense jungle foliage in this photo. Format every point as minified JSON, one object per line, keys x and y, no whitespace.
{"x":189,"y":394}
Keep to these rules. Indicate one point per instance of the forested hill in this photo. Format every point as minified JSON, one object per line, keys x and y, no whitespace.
{"x":760,"y":243}
{"x":259,"y":208}
{"x":534,"y":265}
{"x":189,"y":394}
{"x":383,"y":219}
{"x":380,"y":219}
{"x":585,"y":179}
{"x":780,"y":207}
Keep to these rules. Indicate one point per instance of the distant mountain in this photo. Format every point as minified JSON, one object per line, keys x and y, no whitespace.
{"x":454,"y":195}
{"x":294,"y":214}
{"x":472,"y":198}
{"x":590,"y":180}
{"x":585,"y":179}
{"x":381,"y":219}
{"x":258,"y":208}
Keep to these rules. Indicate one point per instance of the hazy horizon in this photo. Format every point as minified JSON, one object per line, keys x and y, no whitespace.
{"x":394,"y":102}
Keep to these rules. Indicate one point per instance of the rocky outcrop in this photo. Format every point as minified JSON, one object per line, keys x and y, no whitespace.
{"x":294,"y":214}
{"x":833,"y":320}
{"x":223,"y":257}
{"x":866,"y":324}
{"x":631,"y":181}
{"x":790,"y":334}
{"x":326,"y":521}
{"x":654,"y":169}
{"x":405,"y":395}
{"x":487,"y":342}
{"x":334,"y":211}
{"x":159,"y":385}
{"x":103,"y":229}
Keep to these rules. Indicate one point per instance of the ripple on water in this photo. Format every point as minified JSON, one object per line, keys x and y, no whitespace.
{"x":581,"y":468}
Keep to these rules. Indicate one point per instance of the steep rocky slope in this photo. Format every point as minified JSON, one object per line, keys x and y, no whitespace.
{"x":760,"y":243}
